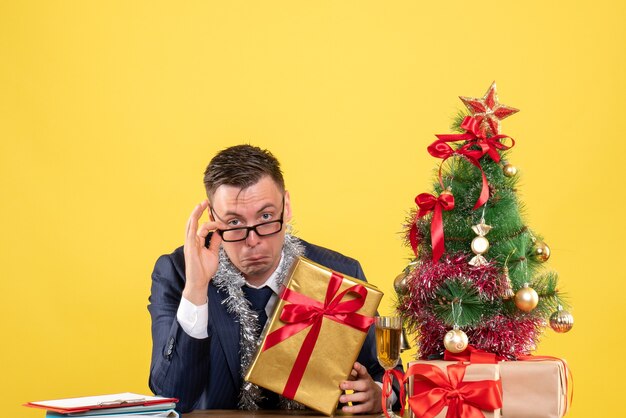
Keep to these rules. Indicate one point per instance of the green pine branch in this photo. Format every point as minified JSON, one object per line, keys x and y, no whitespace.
{"x":458,"y":303}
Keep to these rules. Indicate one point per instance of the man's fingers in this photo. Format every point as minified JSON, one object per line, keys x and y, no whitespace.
{"x":356,"y":397}
{"x":365,"y":391}
{"x":216,"y":241}
{"x":361,"y":370}
{"x":192,"y":223}
{"x":205,"y":228}
{"x":355,"y":385}
{"x":358,"y":379}
{"x":360,"y":408}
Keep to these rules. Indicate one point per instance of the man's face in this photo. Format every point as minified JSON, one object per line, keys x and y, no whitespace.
{"x":256,"y":256}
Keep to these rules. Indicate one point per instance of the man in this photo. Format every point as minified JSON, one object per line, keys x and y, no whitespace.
{"x":211,"y":298}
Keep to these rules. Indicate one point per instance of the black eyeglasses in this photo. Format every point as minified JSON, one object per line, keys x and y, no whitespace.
{"x":263,"y":229}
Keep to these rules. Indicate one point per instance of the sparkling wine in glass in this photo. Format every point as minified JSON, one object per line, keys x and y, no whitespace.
{"x":388,"y":341}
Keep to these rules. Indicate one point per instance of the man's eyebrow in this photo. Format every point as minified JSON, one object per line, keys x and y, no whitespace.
{"x":267,"y":206}
{"x":262,"y":209}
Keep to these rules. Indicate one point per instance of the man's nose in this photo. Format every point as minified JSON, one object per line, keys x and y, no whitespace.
{"x":252,"y":239}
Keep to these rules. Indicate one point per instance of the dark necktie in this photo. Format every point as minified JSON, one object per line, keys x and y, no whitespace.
{"x":258,"y":299}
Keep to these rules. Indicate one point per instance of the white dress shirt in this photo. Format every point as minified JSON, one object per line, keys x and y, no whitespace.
{"x":194,"y":319}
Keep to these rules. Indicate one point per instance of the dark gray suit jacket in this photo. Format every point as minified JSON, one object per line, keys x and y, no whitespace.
{"x":205,"y":373}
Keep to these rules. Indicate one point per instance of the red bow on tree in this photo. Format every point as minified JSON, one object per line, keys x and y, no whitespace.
{"x":428,"y":203}
{"x":476,"y":137}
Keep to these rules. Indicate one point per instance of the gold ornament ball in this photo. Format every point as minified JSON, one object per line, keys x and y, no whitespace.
{"x":526,"y":299}
{"x":480,"y":245}
{"x":455,"y":341}
{"x":509,"y":170}
{"x":542,"y":251}
{"x":400,"y":283}
{"x":561,"y":321}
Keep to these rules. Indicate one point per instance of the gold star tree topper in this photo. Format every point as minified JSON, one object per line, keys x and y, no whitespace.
{"x":488,"y":111}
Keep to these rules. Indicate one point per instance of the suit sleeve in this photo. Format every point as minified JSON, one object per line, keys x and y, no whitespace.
{"x":180,"y":364}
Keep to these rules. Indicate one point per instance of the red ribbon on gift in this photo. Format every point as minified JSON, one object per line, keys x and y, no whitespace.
{"x":428,"y":203}
{"x":433,"y":390}
{"x":476,"y":356}
{"x":475,"y":137}
{"x":473,"y":355}
{"x":304,"y":312}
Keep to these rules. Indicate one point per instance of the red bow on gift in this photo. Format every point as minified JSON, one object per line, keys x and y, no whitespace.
{"x":304,"y":312}
{"x":428,"y":203}
{"x":433,"y":390}
{"x":475,"y":137}
{"x":473,"y":355}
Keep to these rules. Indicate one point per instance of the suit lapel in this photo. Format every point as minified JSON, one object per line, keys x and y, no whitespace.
{"x":226,"y":328}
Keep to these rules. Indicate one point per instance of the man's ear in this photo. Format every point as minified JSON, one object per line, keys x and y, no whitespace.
{"x":287,"y":213}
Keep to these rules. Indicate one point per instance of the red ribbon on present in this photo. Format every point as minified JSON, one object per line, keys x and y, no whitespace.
{"x":304,"y":312}
{"x":473,"y":355}
{"x":433,"y":390}
{"x":427,"y":203}
{"x":475,"y":137}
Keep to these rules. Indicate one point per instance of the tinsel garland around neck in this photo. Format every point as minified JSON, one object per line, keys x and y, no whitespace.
{"x":230,"y":280}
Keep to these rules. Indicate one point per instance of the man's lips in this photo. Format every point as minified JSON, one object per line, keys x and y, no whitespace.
{"x":255,"y":259}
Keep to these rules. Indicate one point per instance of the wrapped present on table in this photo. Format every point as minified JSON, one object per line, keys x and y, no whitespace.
{"x":535,"y":387}
{"x":532,"y":387}
{"x":315,"y":335}
{"x":453,"y":389}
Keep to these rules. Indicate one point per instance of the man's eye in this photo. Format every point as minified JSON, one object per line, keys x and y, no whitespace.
{"x":266,"y":216}
{"x":234,"y":222}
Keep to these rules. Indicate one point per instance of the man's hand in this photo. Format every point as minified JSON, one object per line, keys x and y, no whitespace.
{"x":366,"y":398}
{"x":200,"y":262}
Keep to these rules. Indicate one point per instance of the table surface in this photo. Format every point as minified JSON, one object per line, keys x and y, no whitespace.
{"x":265,"y":414}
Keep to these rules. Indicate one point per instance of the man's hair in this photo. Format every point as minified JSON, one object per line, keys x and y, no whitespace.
{"x":241,"y":166}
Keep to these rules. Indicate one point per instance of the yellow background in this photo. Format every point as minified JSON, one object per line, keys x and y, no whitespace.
{"x":109,"y":112}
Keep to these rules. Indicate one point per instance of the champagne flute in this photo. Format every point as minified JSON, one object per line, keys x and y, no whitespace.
{"x":388,"y":334}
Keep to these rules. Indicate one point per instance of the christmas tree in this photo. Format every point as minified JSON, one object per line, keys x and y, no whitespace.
{"x":478,"y":274}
